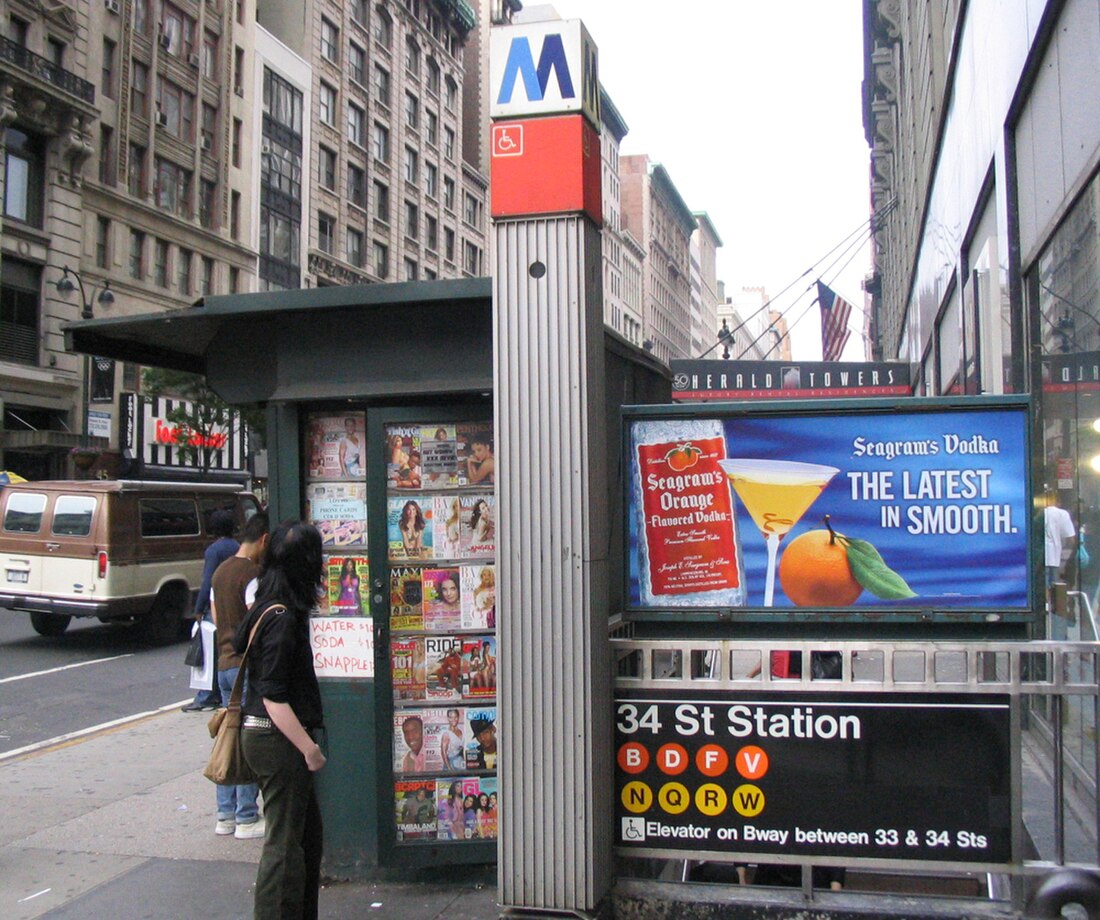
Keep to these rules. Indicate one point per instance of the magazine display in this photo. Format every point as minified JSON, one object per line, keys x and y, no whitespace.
{"x":409,"y":528}
{"x":335,"y":446}
{"x":339,"y":511}
{"x":441,"y":552}
{"x":415,"y":809}
{"x":348,"y":584}
{"x":479,"y":596}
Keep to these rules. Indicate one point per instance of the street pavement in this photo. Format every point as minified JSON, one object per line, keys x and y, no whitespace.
{"x":120,"y":824}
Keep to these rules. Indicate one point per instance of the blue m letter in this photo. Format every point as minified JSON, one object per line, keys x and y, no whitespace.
{"x":522,"y":63}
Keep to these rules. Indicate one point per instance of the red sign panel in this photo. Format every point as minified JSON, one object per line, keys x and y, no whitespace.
{"x":546,"y":166}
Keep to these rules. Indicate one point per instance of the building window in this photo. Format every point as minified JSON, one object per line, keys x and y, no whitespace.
{"x":357,"y":125}
{"x":209,"y":126}
{"x":357,"y":185}
{"x":410,"y":269}
{"x":210,"y":56}
{"x":359,"y":10}
{"x":431,"y":179}
{"x":430,"y":275}
{"x":327,"y":168}
{"x":412,"y":56}
{"x":355,"y":247}
{"x":19,"y":311}
{"x":412,"y":221}
{"x":139,"y":90}
{"x":449,"y":143}
{"x":160,"y":263}
{"x":380,"y":259}
{"x":448,"y":193}
{"x":208,"y":191}
{"x":236,"y":142}
{"x":381,"y":142}
{"x":238,"y":71}
{"x":283,"y":103}
{"x":234,"y":280}
{"x":24,"y":177}
{"x":173,"y":189}
{"x":326,"y":105}
{"x":472,"y":210}
{"x":55,"y":52}
{"x":412,"y":165}
{"x":106,"y":154}
{"x":235,"y":215}
{"x":412,"y":111}
{"x":452,"y":94}
{"x":431,"y":127}
{"x":279,"y":236}
{"x":176,"y":108}
{"x":357,"y":63}
{"x":135,"y":173}
{"x":183,"y":270}
{"x":448,"y":244}
{"x":177,"y":31}
{"x":433,"y":76}
{"x":472,"y":258}
{"x":137,"y":255}
{"x":431,"y":232}
{"x":330,"y":41}
{"x":281,"y":168}
{"x":381,"y":201}
{"x":141,"y":17}
{"x":102,"y":242}
{"x":207,"y":276}
{"x":326,"y":232}
{"x":107,"y":77}
{"x":382,"y":85}
{"x":383,"y":27}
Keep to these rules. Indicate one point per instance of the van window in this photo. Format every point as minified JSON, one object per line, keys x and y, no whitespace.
{"x":72,"y":515}
{"x":209,"y":505}
{"x":169,"y":517}
{"x":24,"y":514}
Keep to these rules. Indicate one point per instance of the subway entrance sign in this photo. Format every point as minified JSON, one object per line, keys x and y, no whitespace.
{"x":844,"y":776}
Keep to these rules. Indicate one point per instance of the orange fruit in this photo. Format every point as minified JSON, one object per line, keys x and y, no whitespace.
{"x":814,"y":571}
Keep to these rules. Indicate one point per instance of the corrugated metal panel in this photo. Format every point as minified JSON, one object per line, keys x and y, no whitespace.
{"x":554,"y":683}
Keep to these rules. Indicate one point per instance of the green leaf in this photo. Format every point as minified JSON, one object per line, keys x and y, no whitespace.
{"x":871,"y":571}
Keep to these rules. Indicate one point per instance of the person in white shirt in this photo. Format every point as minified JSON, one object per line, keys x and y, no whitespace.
{"x":1060,"y":536}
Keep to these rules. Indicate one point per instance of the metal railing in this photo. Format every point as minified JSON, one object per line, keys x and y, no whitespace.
{"x":1059,"y":681}
{"x":43,"y":69}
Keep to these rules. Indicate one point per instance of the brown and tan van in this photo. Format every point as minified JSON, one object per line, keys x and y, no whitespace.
{"x":116,"y":550}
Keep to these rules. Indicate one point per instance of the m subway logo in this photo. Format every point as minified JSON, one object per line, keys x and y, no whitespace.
{"x":548,"y":70}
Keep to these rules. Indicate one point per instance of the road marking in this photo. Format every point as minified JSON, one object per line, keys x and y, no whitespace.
{"x":84,"y":733}
{"x":37,"y":894}
{"x":64,"y":667}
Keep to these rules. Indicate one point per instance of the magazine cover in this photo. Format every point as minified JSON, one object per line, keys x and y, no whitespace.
{"x":443,"y":667}
{"x":487,"y":807}
{"x":442,"y":590}
{"x":479,"y":597}
{"x":416,"y":740}
{"x":334,"y":446}
{"x":481,"y":738}
{"x":415,"y":809}
{"x":447,"y":527}
{"x":348,"y":586}
{"x":474,"y":450}
{"x":478,"y":530}
{"x":406,"y":599}
{"x":438,"y":456}
{"x":479,"y":666}
{"x":339,"y":510}
{"x":403,"y":456}
{"x":409,"y":527}
{"x":450,"y":809}
{"x":407,"y":669}
{"x":471,"y":790}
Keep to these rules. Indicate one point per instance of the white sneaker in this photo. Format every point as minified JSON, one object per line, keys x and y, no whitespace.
{"x":225,"y":828}
{"x":250,"y":831}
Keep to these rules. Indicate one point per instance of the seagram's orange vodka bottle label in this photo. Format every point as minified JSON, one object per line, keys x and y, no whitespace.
{"x":687,"y":531}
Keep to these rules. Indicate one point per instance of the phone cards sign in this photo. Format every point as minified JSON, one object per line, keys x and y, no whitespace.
{"x":882,"y":776}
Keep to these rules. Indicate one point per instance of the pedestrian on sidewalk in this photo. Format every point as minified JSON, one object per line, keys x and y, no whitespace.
{"x":238,"y":813}
{"x":221,"y":526}
{"x":283,"y":722}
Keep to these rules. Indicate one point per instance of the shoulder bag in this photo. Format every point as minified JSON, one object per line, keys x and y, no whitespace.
{"x":227,"y":766}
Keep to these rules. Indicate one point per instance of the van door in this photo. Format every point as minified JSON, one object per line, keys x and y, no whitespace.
{"x":71,"y":546}
{"x":21,"y":560}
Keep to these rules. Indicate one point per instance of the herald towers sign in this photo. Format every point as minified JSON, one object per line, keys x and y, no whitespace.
{"x":544,"y":68}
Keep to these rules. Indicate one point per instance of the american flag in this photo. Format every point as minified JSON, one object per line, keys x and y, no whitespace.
{"x":834,"y":322}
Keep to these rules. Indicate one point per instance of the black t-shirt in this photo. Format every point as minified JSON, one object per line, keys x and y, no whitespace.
{"x":280,"y":665}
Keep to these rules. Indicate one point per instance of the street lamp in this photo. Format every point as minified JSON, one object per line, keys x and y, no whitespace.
{"x":106,"y":297}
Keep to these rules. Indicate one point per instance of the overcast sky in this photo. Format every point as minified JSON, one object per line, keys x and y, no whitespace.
{"x":754,"y":109}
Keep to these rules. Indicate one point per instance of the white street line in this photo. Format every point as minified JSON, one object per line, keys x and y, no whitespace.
{"x":84,"y":732}
{"x":37,"y":894}
{"x":64,"y":667}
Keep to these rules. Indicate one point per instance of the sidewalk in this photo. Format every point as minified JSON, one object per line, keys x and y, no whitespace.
{"x":121,"y":825}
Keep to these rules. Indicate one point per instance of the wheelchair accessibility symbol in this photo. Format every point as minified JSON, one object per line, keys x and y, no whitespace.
{"x":508,"y":140}
{"x":633,"y":830}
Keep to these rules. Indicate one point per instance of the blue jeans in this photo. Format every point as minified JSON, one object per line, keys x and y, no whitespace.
{"x":235,"y":802}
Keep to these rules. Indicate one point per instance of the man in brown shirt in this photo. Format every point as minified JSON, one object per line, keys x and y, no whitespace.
{"x":238,"y":813}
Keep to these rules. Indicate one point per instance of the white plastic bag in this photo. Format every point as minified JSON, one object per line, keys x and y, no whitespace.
{"x":203,"y":678}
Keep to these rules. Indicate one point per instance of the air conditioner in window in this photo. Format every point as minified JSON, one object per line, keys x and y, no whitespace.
{"x":112,"y":6}
{"x":193,"y":60}
{"x":165,"y":40}
{"x":207,"y":142}
{"x":265,"y":147}
{"x":162,"y":119}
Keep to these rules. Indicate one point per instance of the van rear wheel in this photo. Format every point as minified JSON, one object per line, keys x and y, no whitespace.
{"x":165,"y":620}
{"x":50,"y":624}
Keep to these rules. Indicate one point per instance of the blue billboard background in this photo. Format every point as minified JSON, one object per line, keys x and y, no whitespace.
{"x":920,"y":529}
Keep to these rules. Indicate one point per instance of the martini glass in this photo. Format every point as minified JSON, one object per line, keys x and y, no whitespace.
{"x":776,"y":493}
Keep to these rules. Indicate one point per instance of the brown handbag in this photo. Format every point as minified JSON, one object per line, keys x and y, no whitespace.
{"x":227,"y":766}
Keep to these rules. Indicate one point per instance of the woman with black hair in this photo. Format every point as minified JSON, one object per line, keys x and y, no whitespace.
{"x":283,"y":720}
